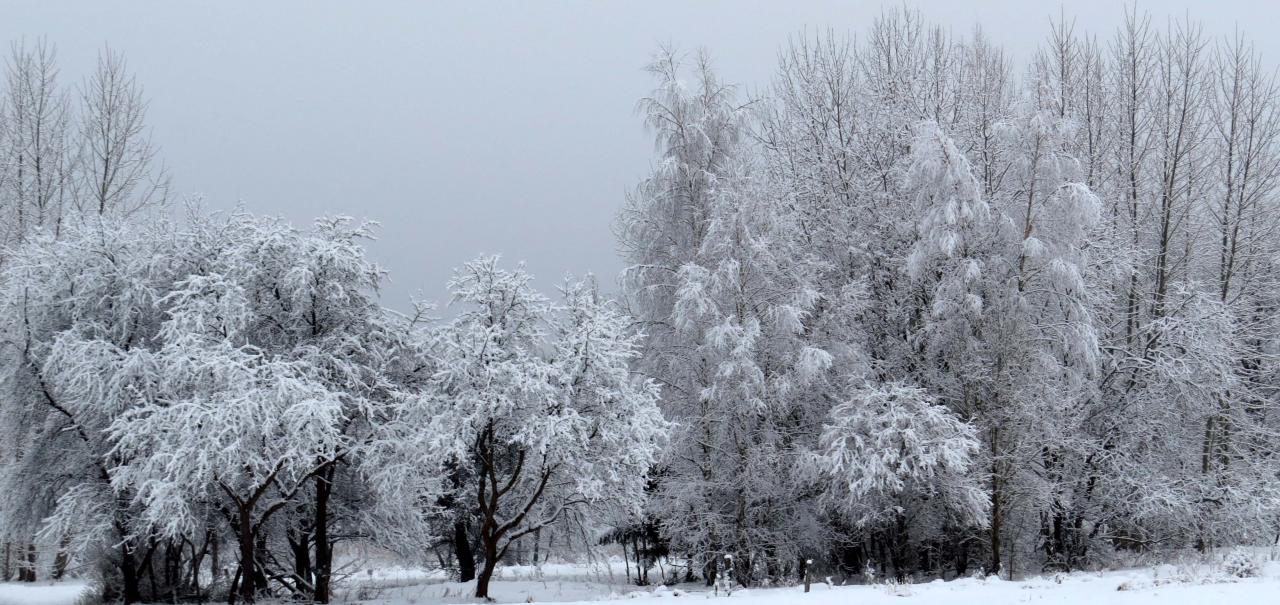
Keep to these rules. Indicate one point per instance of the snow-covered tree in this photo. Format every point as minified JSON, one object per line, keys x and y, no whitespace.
{"x":225,"y":422}
{"x":745,"y":344}
{"x":270,"y":360}
{"x":536,"y":401}
{"x":227,"y":368}
{"x":80,"y":315}
{"x":891,"y":444}
{"x":911,"y":305}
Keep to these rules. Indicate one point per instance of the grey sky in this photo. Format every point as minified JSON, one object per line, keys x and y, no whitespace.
{"x":465,"y":128}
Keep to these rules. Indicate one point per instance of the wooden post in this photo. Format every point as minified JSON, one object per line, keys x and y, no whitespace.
{"x":807,"y":564}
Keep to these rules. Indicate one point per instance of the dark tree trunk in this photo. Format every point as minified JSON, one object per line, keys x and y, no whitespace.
{"x":235,"y":584}
{"x":490,"y":489}
{"x":260,"y":580}
{"x":215,"y":565}
{"x":1080,"y":544}
{"x":486,"y":573}
{"x":300,"y":546}
{"x":132,"y":590}
{"x":1057,"y":550}
{"x":995,"y":536}
{"x":489,"y":530}
{"x":175,"y":560}
{"x":324,"y":546}
{"x":462,"y":551}
{"x":997,"y":517}
{"x":193,"y":564}
{"x":901,"y":548}
{"x":961,"y":557}
{"x":172,"y":567}
{"x":28,"y":573}
{"x":151,"y":572}
{"x":246,"y":539}
{"x":642,"y":573}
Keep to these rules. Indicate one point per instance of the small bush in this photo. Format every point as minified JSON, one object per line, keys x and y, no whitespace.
{"x":92,"y":595}
{"x":1241,"y":564}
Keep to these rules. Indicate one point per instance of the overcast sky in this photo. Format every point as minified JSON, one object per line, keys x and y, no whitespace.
{"x":465,"y":128}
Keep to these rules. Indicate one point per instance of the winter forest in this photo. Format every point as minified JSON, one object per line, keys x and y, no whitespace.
{"x":910,"y":310}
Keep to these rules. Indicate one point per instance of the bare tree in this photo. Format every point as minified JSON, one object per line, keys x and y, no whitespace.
{"x":1246,"y":130}
{"x":1179,"y":113}
{"x":35,"y":169}
{"x":117,"y":172}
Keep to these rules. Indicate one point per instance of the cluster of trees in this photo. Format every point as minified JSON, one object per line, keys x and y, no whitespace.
{"x":916,"y":307}
{"x":172,"y":389}
{"x":79,"y":151}
{"x":910,"y":308}
{"x":65,"y":156}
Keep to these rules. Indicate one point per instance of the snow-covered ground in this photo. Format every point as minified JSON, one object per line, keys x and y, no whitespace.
{"x":41,"y":593}
{"x":1163,"y":585}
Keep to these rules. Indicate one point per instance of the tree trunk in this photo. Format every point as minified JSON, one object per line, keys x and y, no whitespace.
{"x":996,"y":512}
{"x":28,"y":573}
{"x":901,"y":548}
{"x":642,"y":572}
{"x":537,"y":540}
{"x":151,"y":572}
{"x":246,"y":539}
{"x":132,"y":591}
{"x":61,"y":559}
{"x":462,"y":551}
{"x":626,"y":563}
{"x":235,"y":583}
{"x":486,"y":572}
{"x":215,"y":566}
{"x":170,"y":561}
{"x":324,"y":547}
{"x":300,"y":545}
{"x":996,"y":519}
{"x":961,"y":556}
{"x":260,"y":580}
{"x":194,"y":563}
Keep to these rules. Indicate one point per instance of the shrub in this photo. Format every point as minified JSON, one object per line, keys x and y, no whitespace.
{"x":1240,"y":563}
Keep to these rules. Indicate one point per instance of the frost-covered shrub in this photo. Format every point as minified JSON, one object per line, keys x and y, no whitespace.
{"x":887,"y":439}
{"x":92,"y":594}
{"x":1195,"y":571}
{"x":869,"y":574}
{"x":1240,"y":563}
